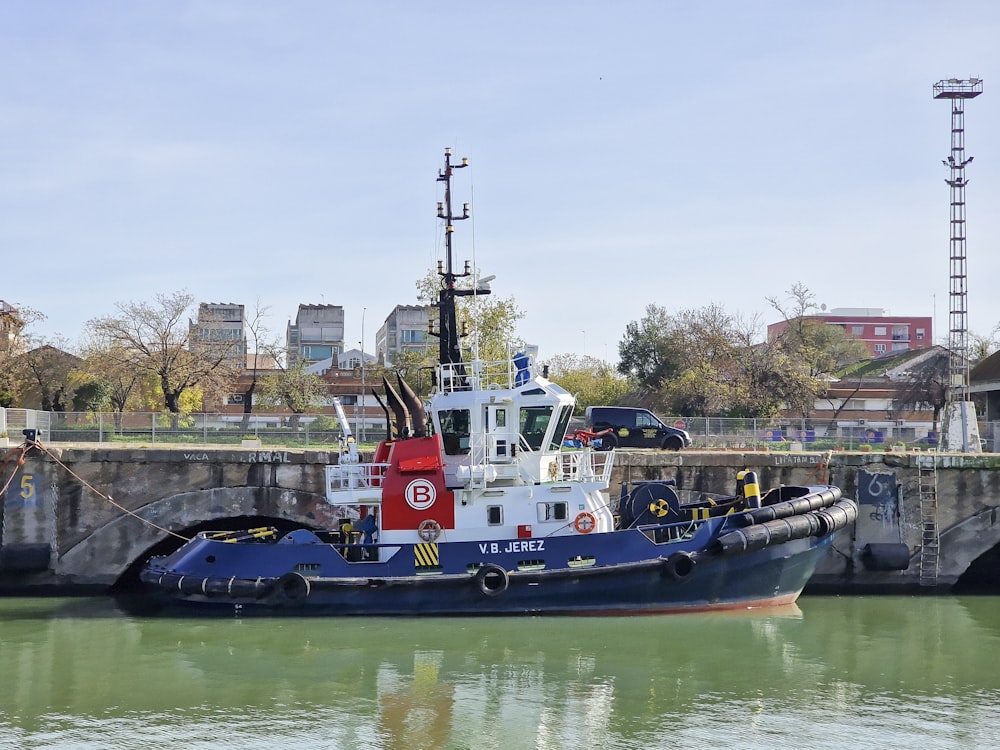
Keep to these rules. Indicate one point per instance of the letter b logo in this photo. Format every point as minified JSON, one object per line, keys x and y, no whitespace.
{"x":420,"y":494}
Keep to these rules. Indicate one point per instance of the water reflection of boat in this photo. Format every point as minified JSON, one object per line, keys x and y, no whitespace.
{"x":473,"y":506}
{"x":80,"y":670}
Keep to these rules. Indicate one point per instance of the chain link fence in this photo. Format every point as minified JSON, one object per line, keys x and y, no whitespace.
{"x":303,"y":430}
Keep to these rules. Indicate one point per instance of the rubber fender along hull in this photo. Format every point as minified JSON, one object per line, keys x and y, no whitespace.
{"x":807,"y":503}
{"x":818,"y":523}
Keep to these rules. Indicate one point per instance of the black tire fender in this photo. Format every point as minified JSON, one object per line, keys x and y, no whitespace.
{"x":491,"y":579}
{"x":679,"y":566}
{"x":291,"y":587}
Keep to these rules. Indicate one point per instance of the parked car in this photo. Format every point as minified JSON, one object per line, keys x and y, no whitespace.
{"x":634,"y":428}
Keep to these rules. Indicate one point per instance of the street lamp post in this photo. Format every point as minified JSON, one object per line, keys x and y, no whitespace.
{"x":361,"y":427}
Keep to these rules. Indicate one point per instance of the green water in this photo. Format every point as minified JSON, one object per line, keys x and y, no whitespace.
{"x":828,"y":673}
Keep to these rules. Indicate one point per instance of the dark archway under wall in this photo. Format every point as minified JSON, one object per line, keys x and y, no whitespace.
{"x":982,"y":576}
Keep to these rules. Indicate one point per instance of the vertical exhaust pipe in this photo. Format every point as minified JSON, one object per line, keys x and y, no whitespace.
{"x":398,"y":409}
{"x":414,"y":406}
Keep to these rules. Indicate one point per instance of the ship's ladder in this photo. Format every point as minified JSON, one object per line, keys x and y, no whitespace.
{"x":930,"y":539}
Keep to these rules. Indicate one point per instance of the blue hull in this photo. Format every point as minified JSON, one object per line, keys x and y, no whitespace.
{"x":630,"y":574}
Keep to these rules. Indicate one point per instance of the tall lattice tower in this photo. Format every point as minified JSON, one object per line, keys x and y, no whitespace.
{"x":960,"y":425}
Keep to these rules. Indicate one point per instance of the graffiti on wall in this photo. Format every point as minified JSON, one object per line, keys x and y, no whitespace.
{"x":878,"y":496}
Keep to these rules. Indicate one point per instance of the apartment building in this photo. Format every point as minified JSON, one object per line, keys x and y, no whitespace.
{"x":881,"y":333}
{"x":404,"y":330}
{"x":316,"y":334}
{"x":220,"y":324}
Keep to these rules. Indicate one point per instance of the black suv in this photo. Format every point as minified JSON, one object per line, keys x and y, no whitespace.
{"x":634,"y":428}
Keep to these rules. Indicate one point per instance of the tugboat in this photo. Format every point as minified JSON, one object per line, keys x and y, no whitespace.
{"x":472,"y":506}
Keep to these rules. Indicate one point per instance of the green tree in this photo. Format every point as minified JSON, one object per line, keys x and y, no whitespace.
{"x":768,"y":380}
{"x":491,"y":321}
{"x":294,"y":389}
{"x":686,"y":362}
{"x":708,"y":362}
{"x":592,"y":381}
{"x":92,"y":396}
{"x":113,"y":367}
{"x":415,"y":367}
{"x":652,"y":350}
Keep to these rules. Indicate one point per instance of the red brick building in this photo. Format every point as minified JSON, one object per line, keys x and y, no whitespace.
{"x":882,"y":334}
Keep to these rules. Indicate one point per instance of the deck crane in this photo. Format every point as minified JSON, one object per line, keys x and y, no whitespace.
{"x":348,"y":445}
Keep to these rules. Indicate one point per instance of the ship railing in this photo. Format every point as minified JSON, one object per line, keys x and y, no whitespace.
{"x":586,"y":465}
{"x":479,"y":473}
{"x":483,"y":375}
{"x":486,"y":462}
{"x":349,"y":476}
{"x":680,"y":531}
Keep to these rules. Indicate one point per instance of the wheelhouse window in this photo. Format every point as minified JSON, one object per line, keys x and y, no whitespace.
{"x":552,"y":512}
{"x":559,"y":434}
{"x":533,"y":424}
{"x":454,"y":431}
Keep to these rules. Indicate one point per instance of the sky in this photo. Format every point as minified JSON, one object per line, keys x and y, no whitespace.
{"x":621,"y":154}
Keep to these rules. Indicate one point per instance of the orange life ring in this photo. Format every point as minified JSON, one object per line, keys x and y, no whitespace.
{"x":584,"y":522}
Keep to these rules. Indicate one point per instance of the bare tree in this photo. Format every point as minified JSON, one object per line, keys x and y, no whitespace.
{"x":266,"y":350}
{"x":155,"y":338}
{"x":926,"y":384}
{"x":116,"y":369}
{"x":822,"y":348}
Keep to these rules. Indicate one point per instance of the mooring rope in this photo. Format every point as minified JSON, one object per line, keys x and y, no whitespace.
{"x":20,"y":452}
{"x":36,"y":444}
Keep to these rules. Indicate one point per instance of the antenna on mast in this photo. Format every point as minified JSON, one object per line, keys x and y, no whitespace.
{"x":449,"y":351}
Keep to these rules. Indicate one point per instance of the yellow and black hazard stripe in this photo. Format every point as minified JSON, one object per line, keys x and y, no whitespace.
{"x":712,"y":510}
{"x":426,"y":555}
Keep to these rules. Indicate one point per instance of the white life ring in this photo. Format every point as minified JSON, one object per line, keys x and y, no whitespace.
{"x":429,"y":530}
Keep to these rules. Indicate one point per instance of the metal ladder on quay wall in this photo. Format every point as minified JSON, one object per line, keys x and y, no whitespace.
{"x":930,"y":539}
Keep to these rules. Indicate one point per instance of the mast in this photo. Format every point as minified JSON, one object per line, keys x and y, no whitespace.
{"x":449,"y":351}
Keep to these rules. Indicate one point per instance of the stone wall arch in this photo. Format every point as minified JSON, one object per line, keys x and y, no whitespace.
{"x":106,"y":553}
{"x":961,"y":544}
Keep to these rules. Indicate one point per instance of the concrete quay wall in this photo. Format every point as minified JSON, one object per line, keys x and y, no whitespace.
{"x":60,"y":529}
